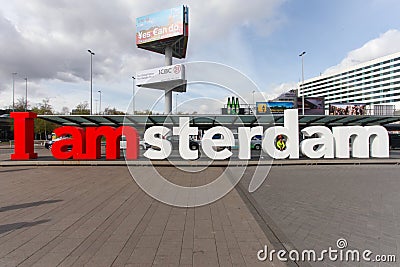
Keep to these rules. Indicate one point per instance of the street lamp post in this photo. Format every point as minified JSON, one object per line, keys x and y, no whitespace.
{"x":100,"y":102}
{"x":91,"y":80}
{"x":26,"y":93}
{"x":13,"y":75}
{"x":95,"y":106}
{"x":133,"y":94}
{"x":176,"y":103}
{"x":302,"y":80}
{"x":253,"y":98}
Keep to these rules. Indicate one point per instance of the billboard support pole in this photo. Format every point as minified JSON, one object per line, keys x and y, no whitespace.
{"x":168,"y":91}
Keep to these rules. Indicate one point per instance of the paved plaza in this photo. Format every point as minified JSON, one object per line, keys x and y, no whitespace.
{"x":97,"y":216}
{"x":311,"y":207}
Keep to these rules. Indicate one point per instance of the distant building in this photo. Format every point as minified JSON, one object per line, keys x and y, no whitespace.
{"x":290,"y":95}
{"x":375,"y":83}
{"x":312,"y":105}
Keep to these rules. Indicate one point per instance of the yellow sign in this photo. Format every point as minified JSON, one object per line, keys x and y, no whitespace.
{"x":261,"y":107}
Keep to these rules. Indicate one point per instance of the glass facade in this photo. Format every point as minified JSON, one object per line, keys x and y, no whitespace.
{"x":375,"y":82}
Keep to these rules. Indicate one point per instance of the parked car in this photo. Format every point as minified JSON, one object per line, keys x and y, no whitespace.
{"x":394,"y":141}
{"x":256,"y":142}
{"x":219,"y":148}
{"x":48,"y":144}
{"x":142,"y":144}
{"x":174,"y":139}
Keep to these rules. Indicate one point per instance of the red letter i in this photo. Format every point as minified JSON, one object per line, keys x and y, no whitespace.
{"x":23,"y":135}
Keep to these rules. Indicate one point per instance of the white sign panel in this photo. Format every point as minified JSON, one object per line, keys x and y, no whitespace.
{"x":159,"y":75}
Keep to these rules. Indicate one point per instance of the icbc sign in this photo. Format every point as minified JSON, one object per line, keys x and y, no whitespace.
{"x":175,"y":69}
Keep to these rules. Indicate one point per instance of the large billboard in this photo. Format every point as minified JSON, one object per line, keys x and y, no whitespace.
{"x":280,"y":106}
{"x":160,"y":25}
{"x":347,"y":109}
{"x":312,"y":105}
{"x":168,"y":78}
{"x":262,"y":108}
{"x":274,"y":107}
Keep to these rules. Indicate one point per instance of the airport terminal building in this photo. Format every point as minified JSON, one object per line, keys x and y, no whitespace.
{"x":375,"y":83}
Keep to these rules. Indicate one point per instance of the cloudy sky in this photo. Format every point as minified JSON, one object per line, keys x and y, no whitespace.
{"x":47,"y":42}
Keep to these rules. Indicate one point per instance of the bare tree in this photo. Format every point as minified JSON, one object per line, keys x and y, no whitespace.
{"x":113,"y":111}
{"x":143,"y":112}
{"x":20,"y":104}
{"x":81,"y":109}
{"x":65,"y":111}
{"x":43,"y":127}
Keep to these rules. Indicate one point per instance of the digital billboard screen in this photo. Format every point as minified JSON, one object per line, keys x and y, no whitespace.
{"x":280,"y":106}
{"x":312,"y":105}
{"x":274,"y":107}
{"x":160,"y":25}
{"x":347,"y":109}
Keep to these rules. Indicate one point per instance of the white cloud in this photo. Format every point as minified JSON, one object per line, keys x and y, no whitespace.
{"x":214,"y":19}
{"x":386,"y":44}
{"x":47,"y":40}
{"x":277,"y":90}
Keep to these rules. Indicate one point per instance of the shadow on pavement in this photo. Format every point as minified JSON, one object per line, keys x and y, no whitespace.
{"x":16,"y":170}
{"x":14,"y":226}
{"x":28,"y":205}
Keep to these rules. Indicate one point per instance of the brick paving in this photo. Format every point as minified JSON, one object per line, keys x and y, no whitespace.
{"x":314,"y":206}
{"x":97,"y":216}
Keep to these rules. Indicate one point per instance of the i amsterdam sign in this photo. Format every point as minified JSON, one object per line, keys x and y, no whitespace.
{"x":319,"y":142}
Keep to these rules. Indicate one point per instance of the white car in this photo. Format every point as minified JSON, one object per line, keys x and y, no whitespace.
{"x":49,"y":143}
{"x":142,"y":144}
